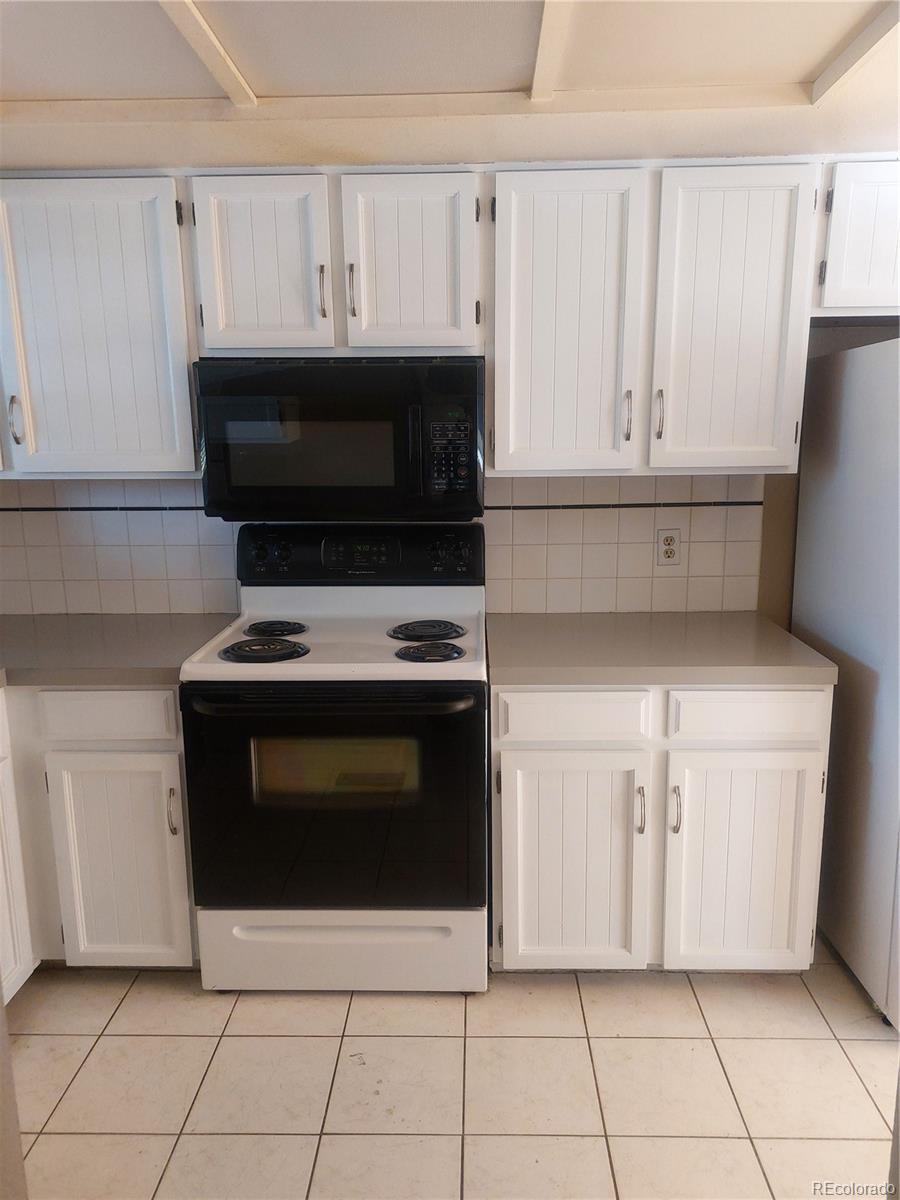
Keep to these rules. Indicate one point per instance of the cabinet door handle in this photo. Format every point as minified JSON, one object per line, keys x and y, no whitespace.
{"x":351,"y":271}
{"x":170,"y":812}
{"x":323,"y":311}
{"x":661,"y":418}
{"x":629,"y":411}
{"x":679,"y":810}
{"x":11,"y":410}
{"x":642,"y":827}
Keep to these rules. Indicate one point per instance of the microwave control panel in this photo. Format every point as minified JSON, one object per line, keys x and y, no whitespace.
{"x":450,"y":457}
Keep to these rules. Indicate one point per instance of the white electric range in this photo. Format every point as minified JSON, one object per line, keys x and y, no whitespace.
{"x":336,"y":751}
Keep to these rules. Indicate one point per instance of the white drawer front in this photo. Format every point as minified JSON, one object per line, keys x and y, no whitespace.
{"x":101,"y":716}
{"x":573,"y":716}
{"x":718,"y":716}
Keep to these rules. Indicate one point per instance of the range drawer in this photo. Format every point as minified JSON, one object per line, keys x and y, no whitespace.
{"x":573,"y":716}
{"x":747,"y":716}
{"x":107,"y":716}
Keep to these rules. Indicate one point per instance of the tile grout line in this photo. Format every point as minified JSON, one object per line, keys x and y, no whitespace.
{"x":462,"y":1137}
{"x":587,"y":1036}
{"x":97,"y":1038}
{"x":337,"y":1060}
{"x":737,"y":1105}
{"x":841,"y":1044}
{"x":190,"y":1108}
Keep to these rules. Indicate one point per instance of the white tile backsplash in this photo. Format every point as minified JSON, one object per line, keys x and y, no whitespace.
{"x":152,"y":551}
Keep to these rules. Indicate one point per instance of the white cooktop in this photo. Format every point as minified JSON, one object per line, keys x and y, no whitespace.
{"x":347,"y":635}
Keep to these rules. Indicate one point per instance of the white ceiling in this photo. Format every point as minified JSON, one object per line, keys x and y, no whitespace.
{"x":129,"y":49}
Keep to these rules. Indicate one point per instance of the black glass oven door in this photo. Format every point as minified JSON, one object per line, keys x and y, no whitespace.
{"x":334,"y":796}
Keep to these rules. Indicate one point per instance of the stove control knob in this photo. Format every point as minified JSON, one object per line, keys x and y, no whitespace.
{"x":283,"y":553}
{"x":260,"y":552}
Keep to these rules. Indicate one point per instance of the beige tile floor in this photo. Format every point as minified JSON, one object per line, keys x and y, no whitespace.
{"x":549,"y":1087}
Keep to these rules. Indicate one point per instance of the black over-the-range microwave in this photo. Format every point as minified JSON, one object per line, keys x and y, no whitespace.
{"x":342,"y":438}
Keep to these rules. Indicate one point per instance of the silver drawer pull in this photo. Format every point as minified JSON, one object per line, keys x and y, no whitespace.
{"x":679,"y":810}
{"x":661,"y":419}
{"x":11,"y":410}
{"x":170,"y":813}
{"x":629,"y":411}
{"x":351,"y":271}
{"x":323,"y":311}
{"x":642,"y":827}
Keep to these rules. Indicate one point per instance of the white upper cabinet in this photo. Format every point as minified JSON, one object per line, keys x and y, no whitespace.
{"x":570,"y":253}
{"x":742,"y":859}
{"x":863,"y":237}
{"x":410,"y":259}
{"x":264,"y":261}
{"x":92,"y":326}
{"x":732,"y":315}
{"x":575,"y":858}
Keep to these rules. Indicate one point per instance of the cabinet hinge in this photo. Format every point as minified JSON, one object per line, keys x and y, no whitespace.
{"x":498,"y":780}
{"x":201,"y":314}
{"x":62,"y":935}
{"x":812,"y":942}
{"x":823,"y":783}
{"x":829,"y":199}
{"x":500,"y":936}
{"x":477,"y":312}
{"x":491,"y":440}
{"x":477,"y":209}
{"x":822,"y":268}
{"x":493,"y":208}
{"x":815,"y":199}
{"x":796,"y":432}
{"x":193,"y":215}
{"x":179,"y":213}
{"x":46,"y":782}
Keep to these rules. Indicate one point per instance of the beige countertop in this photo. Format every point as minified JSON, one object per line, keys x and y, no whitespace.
{"x":96,"y":649}
{"x":523,"y":648}
{"x":647,"y":648}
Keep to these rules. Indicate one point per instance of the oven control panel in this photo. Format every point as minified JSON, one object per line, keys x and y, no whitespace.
{"x":273,"y":555}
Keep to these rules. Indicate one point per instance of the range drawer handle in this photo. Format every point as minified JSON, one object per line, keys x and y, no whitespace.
{"x":170,"y":812}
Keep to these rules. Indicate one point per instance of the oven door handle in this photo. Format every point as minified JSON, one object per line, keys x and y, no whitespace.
{"x":444,"y":708}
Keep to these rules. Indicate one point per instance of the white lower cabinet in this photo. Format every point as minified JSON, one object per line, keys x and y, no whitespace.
{"x":16,"y":957}
{"x":643,"y":849}
{"x":120,"y":853}
{"x":574,"y":858}
{"x":742,"y":858}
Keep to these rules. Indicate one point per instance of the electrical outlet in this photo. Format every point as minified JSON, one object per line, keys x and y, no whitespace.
{"x":668,"y":547}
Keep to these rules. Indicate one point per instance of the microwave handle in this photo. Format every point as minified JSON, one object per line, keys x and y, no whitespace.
{"x":416,"y":451}
{"x":377,"y":708}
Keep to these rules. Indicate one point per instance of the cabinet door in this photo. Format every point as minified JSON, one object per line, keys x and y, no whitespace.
{"x":732,"y":316}
{"x":264,"y":260}
{"x":574,"y":853}
{"x":16,"y":957}
{"x":863,"y":237}
{"x":92,"y":334}
{"x":119,"y":842}
{"x":409,"y":249}
{"x":570,"y":254}
{"x":742,"y":859}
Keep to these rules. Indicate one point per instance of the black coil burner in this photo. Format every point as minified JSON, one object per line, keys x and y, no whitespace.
{"x":426,"y":631}
{"x":263,"y":650}
{"x":275,"y":629}
{"x":430,"y":652}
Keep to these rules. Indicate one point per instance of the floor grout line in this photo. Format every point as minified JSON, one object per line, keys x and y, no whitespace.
{"x":730,"y":1085}
{"x":462,"y":1138}
{"x":337,"y":1060}
{"x":190,"y":1107}
{"x":590,"y":1049}
{"x":846,"y":1055}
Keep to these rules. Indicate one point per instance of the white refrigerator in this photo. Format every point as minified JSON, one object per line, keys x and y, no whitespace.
{"x":846,"y":605}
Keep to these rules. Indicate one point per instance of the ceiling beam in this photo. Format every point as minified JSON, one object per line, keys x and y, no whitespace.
{"x":555,"y":20}
{"x":196,"y":31}
{"x":845,"y":64}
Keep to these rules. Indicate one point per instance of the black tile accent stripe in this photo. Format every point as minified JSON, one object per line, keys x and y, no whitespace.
{"x":126,"y":508}
{"x":641,"y":504}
